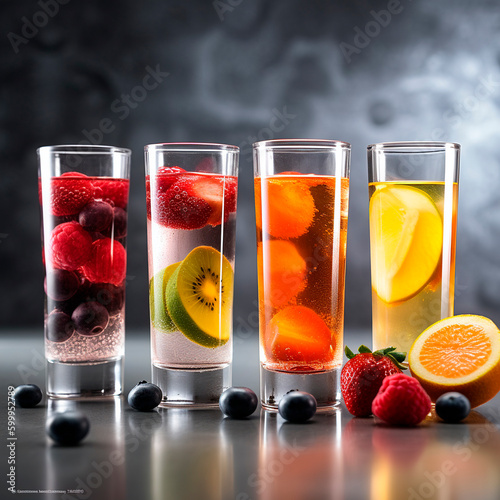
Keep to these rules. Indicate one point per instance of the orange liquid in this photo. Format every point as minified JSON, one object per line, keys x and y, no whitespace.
{"x":301,"y":245}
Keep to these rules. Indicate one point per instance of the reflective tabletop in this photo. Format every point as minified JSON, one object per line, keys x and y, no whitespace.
{"x":199,"y":454}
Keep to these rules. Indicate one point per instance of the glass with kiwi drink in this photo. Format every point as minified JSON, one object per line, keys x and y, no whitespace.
{"x":191,"y":191}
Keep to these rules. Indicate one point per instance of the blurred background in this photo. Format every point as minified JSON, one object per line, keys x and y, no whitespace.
{"x":237,"y":71}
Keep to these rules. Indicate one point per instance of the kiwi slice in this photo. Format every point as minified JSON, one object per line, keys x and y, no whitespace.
{"x":157,"y":305}
{"x":199,"y":297}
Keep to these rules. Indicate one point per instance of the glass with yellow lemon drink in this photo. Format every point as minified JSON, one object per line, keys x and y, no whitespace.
{"x":301,"y":202}
{"x":413,"y":190}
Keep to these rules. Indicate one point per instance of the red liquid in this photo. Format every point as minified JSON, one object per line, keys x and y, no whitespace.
{"x":84,"y":231}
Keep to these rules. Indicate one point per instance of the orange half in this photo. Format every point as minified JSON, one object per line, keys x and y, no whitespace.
{"x":461,"y":354}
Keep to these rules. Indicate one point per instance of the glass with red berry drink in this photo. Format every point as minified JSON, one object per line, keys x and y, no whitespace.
{"x":301,"y":203}
{"x":191,"y":192}
{"x":83,"y":193}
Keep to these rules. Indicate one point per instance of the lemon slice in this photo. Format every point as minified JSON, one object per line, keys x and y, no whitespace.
{"x":461,"y":354}
{"x":406,"y":241}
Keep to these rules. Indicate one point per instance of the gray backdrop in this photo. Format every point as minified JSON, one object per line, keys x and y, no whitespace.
{"x":234,"y":71}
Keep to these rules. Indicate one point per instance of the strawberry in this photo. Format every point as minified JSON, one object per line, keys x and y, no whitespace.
{"x":219,"y":192}
{"x":69,"y":194}
{"x":164,"y":178}
{"x":363,"y":374}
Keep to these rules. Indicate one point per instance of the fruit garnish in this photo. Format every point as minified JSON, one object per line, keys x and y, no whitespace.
{"x":112,"y":190}
{"x":452,"y":407}
{"x":110,"y":296}
{"x":70,"y":193}
{"x":107,"y":262}
{"x":297,"y":406}
{"x":27,"y":395}
{"x":289,"y":206}
{"x":219,"y":192}
{"x":297,"y":333}
{"x":363,"y":375}
{"x":96,"y":216}
{"x":68,"y":428}
{"x":401,"y":400}
{"x":90,"y":318}
{"x":200,"y":297}
{"x":157,"y":300}
{"x":178,"y":207}
{"x":406,"y":241}
{"x":238,"y":402}
{"x":60,"y":284}
{"x":285,"y":271}
{"x":70,"y":246}
{"x":460,"y":354}
{"x":60,"y":326}
{"x":144,"y":396}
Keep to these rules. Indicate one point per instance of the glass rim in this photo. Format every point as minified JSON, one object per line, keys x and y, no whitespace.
{"x":191,"y":147}
{"x":297,"y":144}
{"x":84,"y":149}
{"x":414,"y":146}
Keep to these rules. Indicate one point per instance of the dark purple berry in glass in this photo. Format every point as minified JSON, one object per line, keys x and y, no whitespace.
{"x":110,"y":296}
{"x":61,"y":285}
{"x":90,"y":318}
{"x":59,"y":326}
{"x":27,"y":395}
{"x":68,"y":428}
{"x":118,"y":228}
{"x":96,"y":216}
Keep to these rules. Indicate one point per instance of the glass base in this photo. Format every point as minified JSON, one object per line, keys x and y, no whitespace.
{"x":324,"y":386}
{"x":191,"y":388}
{"x":84,"y":380}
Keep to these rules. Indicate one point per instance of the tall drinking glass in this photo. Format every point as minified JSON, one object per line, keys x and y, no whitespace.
{"x":413,"y":189}
{"x":83,"y":193}
{"x":301,"y":203}
{"x":191,"y":192}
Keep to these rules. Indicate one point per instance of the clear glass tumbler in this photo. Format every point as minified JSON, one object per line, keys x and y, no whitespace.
{"x":83,"y":192}
{"x":301,"y":203}
{"x":191,"y":192}
{"x":413,"y":188}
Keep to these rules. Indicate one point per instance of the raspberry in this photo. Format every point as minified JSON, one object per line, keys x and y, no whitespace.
{"x":70,"y":246}
{"x":401,"y":401}
{"x":115,"y":190}
{"x":107,"y":263}
{"x":69,"y":194}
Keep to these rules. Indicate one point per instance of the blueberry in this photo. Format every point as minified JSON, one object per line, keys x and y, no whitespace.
{"x":118,"y":229}
{"x":96,"y":216}
{"x":144,"y":396}
{"x":110,"y":296}
{"x":61,"y":285}
{"x":68,"y":428}
{"x":452,"y":407}
{"x":59,"y":326}
{"x":297,"y":406}
{"x":27,"y":396}
{"x":238,"y":402}
{"x":90,"y":318}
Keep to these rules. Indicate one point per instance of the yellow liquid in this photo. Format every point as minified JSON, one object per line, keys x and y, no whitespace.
{"x":412,"y":244}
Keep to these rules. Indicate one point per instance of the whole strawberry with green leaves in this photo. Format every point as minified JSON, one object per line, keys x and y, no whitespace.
{"x":363,"y":374}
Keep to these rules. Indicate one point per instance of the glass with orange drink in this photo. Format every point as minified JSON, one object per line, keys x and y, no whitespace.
{"x":413,"y":188}
{"x":301,"y":202}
